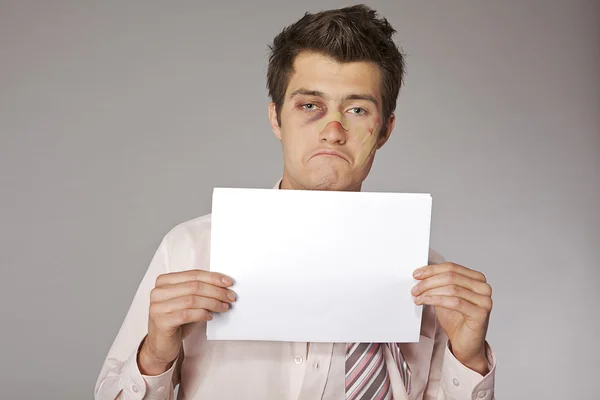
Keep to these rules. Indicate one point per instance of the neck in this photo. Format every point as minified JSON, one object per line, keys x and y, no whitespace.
{"x":291,"y":184}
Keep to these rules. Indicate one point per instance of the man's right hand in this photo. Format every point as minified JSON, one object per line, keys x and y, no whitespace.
{"x":180,"y":298}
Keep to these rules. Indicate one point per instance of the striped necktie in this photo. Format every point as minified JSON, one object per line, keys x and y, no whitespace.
{"x":366,"y":372}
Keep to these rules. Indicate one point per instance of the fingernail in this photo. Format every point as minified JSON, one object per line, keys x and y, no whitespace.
{"x":210,"y":316}
{"x":418,"y":273}
{"x":225,"y":306}
{"x":231,"y":296}
{"x":418,"y":299}
{"x":415,"y":289}
{"x":226,"y":280}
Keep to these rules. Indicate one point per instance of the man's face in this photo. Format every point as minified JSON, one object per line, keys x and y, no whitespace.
{"x":330,"y":123}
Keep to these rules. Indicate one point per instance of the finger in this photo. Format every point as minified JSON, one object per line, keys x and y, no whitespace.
{"x":213,"y":278}
{"x":186,"y":316}
{"x":479,"y":300}
{"x":170,"y":291}
{"x":190,"y":301}
{"x":466,"y":308}
{"x":452,"y":278}
{"x":436,"y":269}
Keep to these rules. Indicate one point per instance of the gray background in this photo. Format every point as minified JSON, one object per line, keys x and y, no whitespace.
{"x":118,"y":118}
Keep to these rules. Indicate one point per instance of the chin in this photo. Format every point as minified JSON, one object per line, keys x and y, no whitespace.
{"x":332,"y":180}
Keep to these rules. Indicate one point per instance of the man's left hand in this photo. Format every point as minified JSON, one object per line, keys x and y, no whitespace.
{"x":462,"y":300}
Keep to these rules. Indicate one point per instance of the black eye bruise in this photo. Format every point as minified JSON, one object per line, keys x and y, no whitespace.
{"x":316,"y":116}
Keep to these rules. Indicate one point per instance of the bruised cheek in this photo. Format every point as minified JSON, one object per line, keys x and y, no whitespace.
{"x":304,"y":120}
{"x":314,"y":117}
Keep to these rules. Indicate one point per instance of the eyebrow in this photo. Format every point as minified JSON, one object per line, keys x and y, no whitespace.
{"x":353,"y":96}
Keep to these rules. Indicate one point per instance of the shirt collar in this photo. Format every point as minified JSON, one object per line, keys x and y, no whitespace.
{"x":278,"y":185}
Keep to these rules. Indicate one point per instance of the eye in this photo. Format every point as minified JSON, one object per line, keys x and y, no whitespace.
{"x":309,"y":107}
{"x":358,"y":111}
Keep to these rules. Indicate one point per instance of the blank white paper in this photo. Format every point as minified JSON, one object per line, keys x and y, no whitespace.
{"x":319,"y":266}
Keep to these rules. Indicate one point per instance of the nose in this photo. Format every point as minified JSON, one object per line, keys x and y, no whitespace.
{"x":333,"y":133}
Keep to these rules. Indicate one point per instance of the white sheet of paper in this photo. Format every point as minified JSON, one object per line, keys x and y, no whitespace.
{"x":319,"y":266}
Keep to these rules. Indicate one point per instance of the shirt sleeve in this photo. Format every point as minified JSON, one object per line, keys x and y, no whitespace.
{"x":459,"y":382}
{"x":120,"y":377}
{"x":449,"y":379}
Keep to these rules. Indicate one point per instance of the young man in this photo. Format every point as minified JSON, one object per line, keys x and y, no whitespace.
{"x":333,"y":79}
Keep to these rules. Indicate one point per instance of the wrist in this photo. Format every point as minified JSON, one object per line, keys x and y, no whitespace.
{"x":478,"y":363}
{"x":148,"y":364}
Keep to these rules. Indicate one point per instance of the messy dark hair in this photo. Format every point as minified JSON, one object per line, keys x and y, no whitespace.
{"x":347,"y":35}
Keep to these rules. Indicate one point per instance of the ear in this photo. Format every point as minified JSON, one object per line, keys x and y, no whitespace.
{"x":273,"y":120}
{"x":390,"y":127}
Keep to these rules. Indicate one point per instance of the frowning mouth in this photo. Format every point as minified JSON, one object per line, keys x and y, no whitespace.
{"x":329,"y":153}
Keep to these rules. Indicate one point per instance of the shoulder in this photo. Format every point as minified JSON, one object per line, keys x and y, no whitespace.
{"x":194,"y":227}
{"x":188,"y":244}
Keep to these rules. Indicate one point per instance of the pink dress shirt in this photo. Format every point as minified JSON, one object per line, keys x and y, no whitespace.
{"x":267,"y":370}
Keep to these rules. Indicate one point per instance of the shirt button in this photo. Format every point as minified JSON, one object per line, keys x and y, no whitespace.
{"x":456,"y":382}
{"x":482,"y":394}
{"x":317,"y":366}
{"x":135,"y":389}
{"x":298,"y":360}
{"x":161,"y":389}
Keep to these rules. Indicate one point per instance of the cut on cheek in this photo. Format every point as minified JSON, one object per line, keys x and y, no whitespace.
{"x":368,"y":143}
